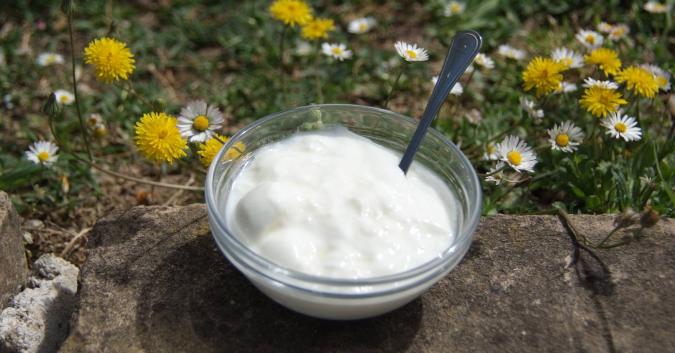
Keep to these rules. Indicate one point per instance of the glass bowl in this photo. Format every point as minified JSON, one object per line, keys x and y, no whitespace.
{"x":333,"y":298}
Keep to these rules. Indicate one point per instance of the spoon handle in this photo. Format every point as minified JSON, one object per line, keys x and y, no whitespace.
{"x":463,"y":50}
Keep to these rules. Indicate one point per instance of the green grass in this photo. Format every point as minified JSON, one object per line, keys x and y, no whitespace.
{"x":228,"y":54}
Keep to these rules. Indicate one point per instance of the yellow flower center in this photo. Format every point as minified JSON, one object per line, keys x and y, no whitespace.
{"x":336,"y":50}
{"x":200,"y":123}
{"x":43,"y":156}
{"x":363,"y":27}
{"x":411,"y":53}
{"x":661,"y":81}
{"x":620,"y":127}
{"x":562,"y":140}
{"x":590,"y":39}
{"x":514,"y":158}
{"x":567,"y":62}
{"x":64,"y":99}
{"x":51,"y":59}
{"x":491,"y":149}
{"x":455,"y":8}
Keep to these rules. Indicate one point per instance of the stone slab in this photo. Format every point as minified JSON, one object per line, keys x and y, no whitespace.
{"x":155,"y":282}
{"x":13,"y":266}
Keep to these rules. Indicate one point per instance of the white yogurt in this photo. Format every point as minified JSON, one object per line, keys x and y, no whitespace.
{"x":335,"y":204}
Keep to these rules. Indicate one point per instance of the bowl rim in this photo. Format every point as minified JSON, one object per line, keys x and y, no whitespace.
{"x":459,"y":246}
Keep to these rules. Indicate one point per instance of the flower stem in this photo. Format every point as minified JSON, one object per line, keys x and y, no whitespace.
{"x":83,"y":129}
{"x":393,"y":87}
{"x":317,"y":79}
{"x":282,"y":66}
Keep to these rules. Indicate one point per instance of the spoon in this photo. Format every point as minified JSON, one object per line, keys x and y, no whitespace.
{"x":463,"y":50}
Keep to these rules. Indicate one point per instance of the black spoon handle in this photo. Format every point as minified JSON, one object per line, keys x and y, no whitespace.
{"x":463,"y":50}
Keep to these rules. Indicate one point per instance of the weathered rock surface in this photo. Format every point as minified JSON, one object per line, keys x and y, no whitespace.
{"x":13,"y":266}
{"x":37,"y":319}
{"x":155,"y":282}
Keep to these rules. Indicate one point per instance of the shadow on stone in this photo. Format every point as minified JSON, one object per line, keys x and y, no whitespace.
{"x":199,"y":302}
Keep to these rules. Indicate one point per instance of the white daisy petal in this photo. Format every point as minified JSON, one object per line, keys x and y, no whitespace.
{"x":531,"y":109}
{"x":590,"y":82}
{"x":662,"y":76}
{"x":410,"y":52}
{"x":621,"y":126}
{"x":337,"y":51}
{"x":496,"y":174}
{"x":657,"y":7}
{"x":454,"y":8}
{"x":484,"y":61}
{"x":64,"y":97}
{"x":198,"y":121}
{"x":43,"y":153}
{"x":361,"y":25}
{"x":565,"y":137}
{"x":510,"y":52}
{"x":46,"y":59}
{"x":568,"y":58}
{"x":590,"y":39}
{"x":517,"y":154}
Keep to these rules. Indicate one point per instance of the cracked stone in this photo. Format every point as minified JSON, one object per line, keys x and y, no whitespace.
{"x":153,"y":282}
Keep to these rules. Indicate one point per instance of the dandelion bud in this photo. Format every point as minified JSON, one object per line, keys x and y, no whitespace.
{"x":649,"y":217}
{"x":100,"y":130}
{"x":51,"y":107}
{"x":626,"y":218}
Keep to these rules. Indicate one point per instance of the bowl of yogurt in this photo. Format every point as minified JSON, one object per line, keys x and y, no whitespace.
{"x":311,"y":206}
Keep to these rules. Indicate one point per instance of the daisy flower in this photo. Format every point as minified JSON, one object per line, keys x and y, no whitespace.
{"x":639,"y":80}
{"x":317,"y":28}
{"x":291,"y":12}
{"x":589,"y":39}
{"x":198,"y":120}
{"x":601,"y":101}
{"x":336,"y":51}
{"x":516,"y":153}
{"x":622,"y":127}
{"x":662,"y":77}
{"x":565,"y":137}
{"x":566,"y":87}
{"x":606,"y":59}
{"x":43,"y":153}
{"x":490,"y":153}
{"x":361,"y":25}
{"x":46,"y":59}
{"x":453,"y":8}
{"x":543,"y":74}
{"x":531,"y":109}
{"x":94,"y":119}
{"x":457,"y":89}
{"x":567,"y":58}
{"x":208,"y":150}
{"x":158,"y":138}
{"x":111,"y":59}
{"x":410,"y":52}
{"x":656,"y":7}
{"x":100,"y":130}
{"x":64,"y":97}
{"x":303,"y":48}
{"x":618,"y":31}
{"x":605,"y":27}
{"x":484,"y":61}
{"x":510,"y":52}
{"x":591,"y":82}
{"x":496,"y":174}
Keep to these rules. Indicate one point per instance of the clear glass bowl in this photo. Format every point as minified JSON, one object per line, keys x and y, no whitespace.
{"x":333,"y":298}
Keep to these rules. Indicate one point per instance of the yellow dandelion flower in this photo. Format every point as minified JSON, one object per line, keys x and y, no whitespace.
{"x":159,"y":139}
{"x":639,"y":80}
{"x":208,"y":150}
{"x":111,"y":58}
{"x":601,"y":101}
{"x":317,"y":28}
{"x":606,"y":59}
{"x":543,"y":74}
{"x":291,"y":12}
